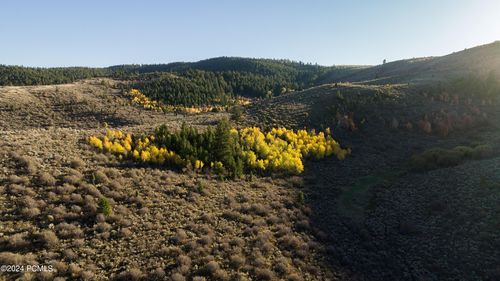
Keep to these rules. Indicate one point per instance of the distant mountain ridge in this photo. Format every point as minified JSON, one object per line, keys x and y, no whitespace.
{"x":19,"y":75}
{"x":219,"y":80}
{"x":476,"y":61}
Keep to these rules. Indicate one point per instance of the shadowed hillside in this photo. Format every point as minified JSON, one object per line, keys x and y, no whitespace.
{"x":391,"y":211}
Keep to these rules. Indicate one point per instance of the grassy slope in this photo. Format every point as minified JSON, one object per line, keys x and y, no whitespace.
{"x":477,"y":61}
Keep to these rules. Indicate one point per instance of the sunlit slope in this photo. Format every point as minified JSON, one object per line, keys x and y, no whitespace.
{"x":478,"y":61}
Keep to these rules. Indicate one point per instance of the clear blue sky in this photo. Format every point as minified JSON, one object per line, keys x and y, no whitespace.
{"x":106,"y":32}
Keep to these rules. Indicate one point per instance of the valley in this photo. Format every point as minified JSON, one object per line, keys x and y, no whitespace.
{"x":413,"y":196}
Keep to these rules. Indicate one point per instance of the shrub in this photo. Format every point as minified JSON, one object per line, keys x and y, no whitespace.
{"x":157,"y":274}
{"x":59,"y":212}
{"x":264,"y":274}
{"x":221,"y":275}
{"x":259,"y":209}
{"x":74,"y":270}
{"x":76,"y":163}
{"x":200,"y":187}
{"x":27,"y":201}
{"x":70,"y":254}
{"x":49,"y":239}
{"x":46,"y":179}
{"x":66,"y":230}
{"x":464,"y":150}
{"x":177,"y":277}
{"x":11,"y":258}
{"x":294,"y":277}
{"x":134,"y":274}
{"x":183,"y":260}
{"x":60,"y":266}
{"x":125,"y":232}
{"x":104,"y":207}
{"x":237,"y":242}
{"x":303,"y":225}
{"x":65,"y":189}
{"x":282,"y":266}
{"x":27,"y":163}
{"x":180,"y":236}
{"x":290,"y":242}
{"x":448,"y":158}
{"x":435,"y":158}
{"x":211,"y":267}
{"x":99,"y":177}
{"x":482,"y":151}
{"x":236,"y":261}
{"x":87,"y":275}
{"x":205,"y":240}
{"x":18,"y":180}
{"x":103,"y":227}
{"x":17,"y":241}
{"x":30,"y":212}
{"x":301,"y":198}
{"x":236,"y":113}
{"x":72,"y":179}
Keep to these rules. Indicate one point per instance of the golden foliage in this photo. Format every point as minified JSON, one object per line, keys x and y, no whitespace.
{"x":279,"y":150}
{"x":141,"y":99}
{"x":284,"y":150}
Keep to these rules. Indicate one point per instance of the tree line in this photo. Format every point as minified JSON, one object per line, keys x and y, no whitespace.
{"x":26,"y":76}
{"x":207,"y":82}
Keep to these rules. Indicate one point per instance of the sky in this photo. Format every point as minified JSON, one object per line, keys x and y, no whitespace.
{"x":328,"y":32}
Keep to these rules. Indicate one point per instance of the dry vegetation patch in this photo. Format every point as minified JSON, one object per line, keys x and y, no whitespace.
{"x":94,"y":217}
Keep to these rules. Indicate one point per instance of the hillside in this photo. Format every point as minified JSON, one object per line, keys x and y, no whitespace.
{"x":385,"y":217}
{"x":215,"y":81}
{"x":164,"y":224}
{"x":218,"y":81}
{"x":86,"y":104}
{"x":478,"y":62}
{"x":321,"y":173}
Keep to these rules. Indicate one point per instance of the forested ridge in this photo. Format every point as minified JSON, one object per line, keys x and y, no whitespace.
{"x":26,"y":76}
{"x":211,"y":81}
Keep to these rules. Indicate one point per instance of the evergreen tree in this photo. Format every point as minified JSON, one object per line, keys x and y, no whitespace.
{"x":228,"y":150}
